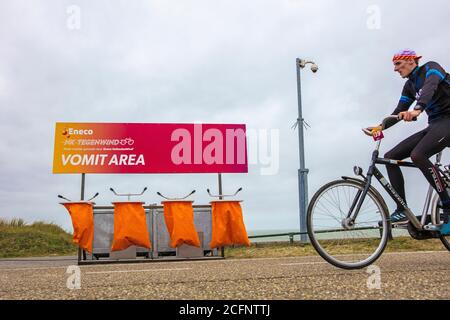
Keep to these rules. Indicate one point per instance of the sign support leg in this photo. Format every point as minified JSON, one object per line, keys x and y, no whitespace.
{"x":83,"y":183}
{"x":219,"y":176}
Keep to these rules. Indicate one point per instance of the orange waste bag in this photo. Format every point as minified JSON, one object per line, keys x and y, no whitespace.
{"x":130,"y":226}
{"x":82,"y":215}
{"x":179,"y":217}
{"x":227,"y":224}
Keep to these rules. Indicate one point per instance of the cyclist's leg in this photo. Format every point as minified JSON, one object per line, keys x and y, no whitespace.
{"x":436,"y":139}
{"x":399,"y":152}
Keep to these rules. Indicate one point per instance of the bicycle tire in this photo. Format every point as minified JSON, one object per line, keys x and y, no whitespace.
{"x":380,"y":204}
{"x":435,"y":211}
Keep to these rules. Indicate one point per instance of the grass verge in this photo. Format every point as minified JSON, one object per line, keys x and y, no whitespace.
{"x":18,"y":239}
{"x":284,"y":249}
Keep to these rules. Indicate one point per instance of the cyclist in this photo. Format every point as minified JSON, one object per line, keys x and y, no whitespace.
{"x":429,"y":86}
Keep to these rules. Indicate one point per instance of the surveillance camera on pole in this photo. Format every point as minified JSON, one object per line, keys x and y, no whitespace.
{"x":314,"y":67}
{"x":302,"y":172}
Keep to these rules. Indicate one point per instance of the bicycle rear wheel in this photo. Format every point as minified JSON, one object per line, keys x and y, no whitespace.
{"x":344,"y":246}
{"x":437,"y":218}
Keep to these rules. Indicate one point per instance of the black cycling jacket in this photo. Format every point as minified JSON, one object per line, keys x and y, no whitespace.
{"x":429,"y":85}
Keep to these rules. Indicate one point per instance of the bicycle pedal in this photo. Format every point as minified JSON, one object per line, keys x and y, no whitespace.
{"x":400,"y":223}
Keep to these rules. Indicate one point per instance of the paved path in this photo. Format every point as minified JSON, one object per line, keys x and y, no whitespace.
{"x":415,"y":275}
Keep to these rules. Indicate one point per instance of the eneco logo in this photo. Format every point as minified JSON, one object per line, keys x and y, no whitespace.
{"x":81,"y":132}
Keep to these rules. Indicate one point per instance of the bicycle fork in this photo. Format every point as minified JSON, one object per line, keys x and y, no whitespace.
{"x":349,"y":221}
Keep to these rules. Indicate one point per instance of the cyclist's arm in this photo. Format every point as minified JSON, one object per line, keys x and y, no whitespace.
{"x":434,"y":75}
{"x":406,"y":100}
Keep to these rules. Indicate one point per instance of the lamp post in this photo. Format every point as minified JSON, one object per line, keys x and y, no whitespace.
{"x":302,"y":172}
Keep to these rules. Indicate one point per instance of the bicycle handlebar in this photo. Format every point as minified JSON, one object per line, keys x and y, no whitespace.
{"x":387,"y":122}
{"x":392,"y":119}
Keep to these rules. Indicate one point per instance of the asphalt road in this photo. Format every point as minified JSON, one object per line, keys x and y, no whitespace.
{"x":415,"y":275}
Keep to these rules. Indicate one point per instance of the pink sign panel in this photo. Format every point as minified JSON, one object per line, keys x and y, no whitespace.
{"x":149,"y":148}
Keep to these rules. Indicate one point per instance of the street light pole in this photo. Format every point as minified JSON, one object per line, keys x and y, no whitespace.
{"x":302,"y":172}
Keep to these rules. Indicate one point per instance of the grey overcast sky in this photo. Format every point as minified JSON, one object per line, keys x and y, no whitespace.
{"x":211,"y":62}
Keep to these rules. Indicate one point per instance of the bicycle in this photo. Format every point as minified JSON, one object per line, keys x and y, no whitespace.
{"x":348,"y":220}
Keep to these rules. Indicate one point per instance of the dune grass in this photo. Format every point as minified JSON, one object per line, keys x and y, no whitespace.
{"x":19,"y":239}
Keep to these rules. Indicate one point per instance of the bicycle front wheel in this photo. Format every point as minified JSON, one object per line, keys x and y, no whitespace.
{"x":347,"y":246}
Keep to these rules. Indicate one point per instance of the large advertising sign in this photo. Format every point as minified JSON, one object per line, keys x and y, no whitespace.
{"x":149,"y":148}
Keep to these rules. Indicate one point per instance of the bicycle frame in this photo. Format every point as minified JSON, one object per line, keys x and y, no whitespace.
{"x":373,"y":171}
